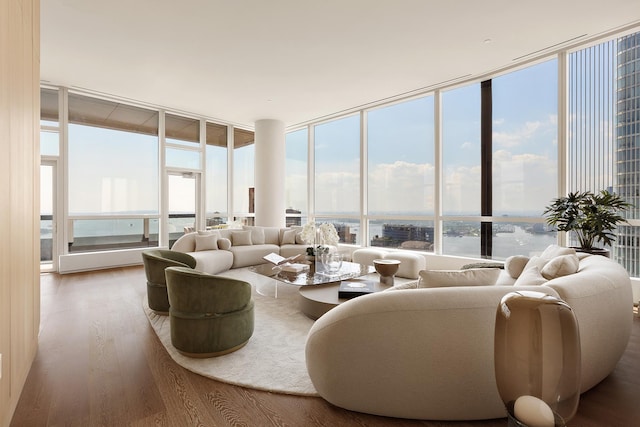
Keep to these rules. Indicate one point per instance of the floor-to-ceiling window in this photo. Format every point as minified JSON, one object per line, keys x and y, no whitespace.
{"x":401,"y":175}
{"x":524,"y":158}
{"x":337,"y":176}
{"x":243,"y":176}
{"x":604,"y":132}
{"x":183,"y":167}
{"x":461,"y":171}
{"x":296,"y":167}
{"x":112,"y":175}
{"x":49,"y":155}
{"x":216,"y":175}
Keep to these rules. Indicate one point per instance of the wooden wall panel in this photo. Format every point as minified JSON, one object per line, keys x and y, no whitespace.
{"x":19,"y":195}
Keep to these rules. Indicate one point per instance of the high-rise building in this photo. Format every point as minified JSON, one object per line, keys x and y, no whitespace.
{"x":626,"y":249}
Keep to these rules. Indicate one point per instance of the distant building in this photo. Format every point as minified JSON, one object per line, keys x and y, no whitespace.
{"x":626,"y":249}
{"x":404,"y":236}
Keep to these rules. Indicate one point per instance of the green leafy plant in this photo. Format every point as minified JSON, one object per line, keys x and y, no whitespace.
{"x":592,"y":217}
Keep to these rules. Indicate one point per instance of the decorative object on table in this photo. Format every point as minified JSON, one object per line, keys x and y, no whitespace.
{"x":537,"y":359}
{"x":355,"y":288}
{"x":320,"y":237}
{"x":331,"y":262}
{"x":591,"y":217}
{"x":386,"y":268}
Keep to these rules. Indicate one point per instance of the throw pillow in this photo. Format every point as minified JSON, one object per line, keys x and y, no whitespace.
{"x":257,"y":234}
{"x":288,"y":237}
{"x":553,"y":251}
{"x":241,"y":238}
{"x":224,"y":244}
{"x":530,"y":277}
{"x":495,"y":264}
{"x":562,"y":265}
{"x":299,"y":240}
{"x":515,"y":265}
{"x":447,"y":278}
{"x":206,"y":242}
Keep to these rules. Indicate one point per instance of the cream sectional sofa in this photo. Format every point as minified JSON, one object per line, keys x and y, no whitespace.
{"x":219,"y":250}
{"x":427,"y":353}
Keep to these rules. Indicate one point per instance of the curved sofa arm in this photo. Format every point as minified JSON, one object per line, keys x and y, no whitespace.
{"x":185,"y":243}
{"x":602,"y":301}
{"x":418,"y":353}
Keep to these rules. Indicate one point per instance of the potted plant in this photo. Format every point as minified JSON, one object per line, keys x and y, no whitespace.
{"x":592,"y":217}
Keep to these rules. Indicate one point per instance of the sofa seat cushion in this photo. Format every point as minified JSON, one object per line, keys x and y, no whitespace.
{"x":245,"y":256}
{"x":213,"y":261}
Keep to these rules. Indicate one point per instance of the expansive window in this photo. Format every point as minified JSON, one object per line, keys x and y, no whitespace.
{"x":524,"y":157}
{"x":401,"y":174}
{"x":461,"y":171}
{"x":216,"y":173}
{"x":243,"y":176}
{"x":604,"y":132}
{"x":296,"y":166}
{"x":182,"y":139}
{"x":113,"y":174}
{"x":337,"y":167}
{"x":337,"y":176}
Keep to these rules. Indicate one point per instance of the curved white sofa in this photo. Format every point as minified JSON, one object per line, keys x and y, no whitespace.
{"x":428,"y":353}
{"x":219,"y":250}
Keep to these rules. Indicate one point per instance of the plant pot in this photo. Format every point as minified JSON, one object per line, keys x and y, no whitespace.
{"x":594,"y":251}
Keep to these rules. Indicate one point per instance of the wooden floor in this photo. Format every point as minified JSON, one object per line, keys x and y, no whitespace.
{"x":100,"y":364}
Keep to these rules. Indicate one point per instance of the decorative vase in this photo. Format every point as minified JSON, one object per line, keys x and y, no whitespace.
{"x":537,"y":359}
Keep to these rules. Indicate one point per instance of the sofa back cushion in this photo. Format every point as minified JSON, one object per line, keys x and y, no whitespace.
{"x":449,"y":278}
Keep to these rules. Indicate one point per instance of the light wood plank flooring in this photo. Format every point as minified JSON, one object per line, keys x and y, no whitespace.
{"x":100,"y":364}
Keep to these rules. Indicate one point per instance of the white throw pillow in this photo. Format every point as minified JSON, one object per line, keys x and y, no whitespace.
{"x":515,"y":264}
{"x":562,"y":265}
{"x":241,"y":238}
{"x":448,"y":278}
{"x":224,"y":244}
{"x":530,"y":277}
{"x":288,"y":237}
{"x":206,"y":242}
{"x":257,"y":234}
{"x":553,"y":251}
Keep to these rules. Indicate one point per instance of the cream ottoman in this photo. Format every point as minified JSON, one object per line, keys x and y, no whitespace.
{"x":410,"y":263}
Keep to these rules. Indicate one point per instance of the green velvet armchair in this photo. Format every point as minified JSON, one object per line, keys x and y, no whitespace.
{"x":155,"y":262}
{"x":209,"y":315}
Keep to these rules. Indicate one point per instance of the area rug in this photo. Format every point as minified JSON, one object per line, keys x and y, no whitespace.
{"x":273,"y":359}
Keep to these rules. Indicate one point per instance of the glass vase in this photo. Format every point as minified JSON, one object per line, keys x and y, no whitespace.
{"x":537,"y":359}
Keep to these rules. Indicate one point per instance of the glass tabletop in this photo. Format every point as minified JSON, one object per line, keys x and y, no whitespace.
{"x":348,"y":270}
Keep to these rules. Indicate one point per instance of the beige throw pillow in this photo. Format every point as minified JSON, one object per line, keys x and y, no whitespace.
{"x":257,"y":234}
{"x":241,"y":238}
{"x":448,"y":278}
{"x":224,"y":244}
{"x":530,"y":277}
{"x":562,"y":265}
{"x":206,"y":242}
{"x":288,"y":237}
{"x":553,"y":251}
{"x":515,"y":265}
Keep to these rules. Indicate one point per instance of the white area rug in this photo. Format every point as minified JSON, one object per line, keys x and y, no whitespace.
{"x":273,"y":359}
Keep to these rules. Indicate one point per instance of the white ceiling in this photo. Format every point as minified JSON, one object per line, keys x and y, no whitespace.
{"x":298,"y":60}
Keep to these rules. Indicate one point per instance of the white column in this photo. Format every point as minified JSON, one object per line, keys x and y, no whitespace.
{"x":269,"y":173}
